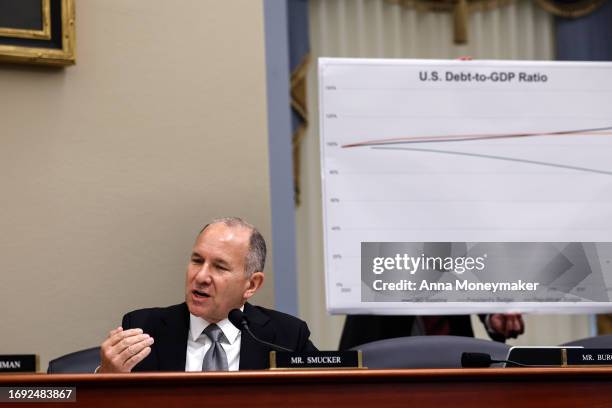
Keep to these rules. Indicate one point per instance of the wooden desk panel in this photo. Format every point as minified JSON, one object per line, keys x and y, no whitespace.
{"x":515,"y":387}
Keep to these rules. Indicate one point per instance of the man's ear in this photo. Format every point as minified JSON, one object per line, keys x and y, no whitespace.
{"x":255,"y":282}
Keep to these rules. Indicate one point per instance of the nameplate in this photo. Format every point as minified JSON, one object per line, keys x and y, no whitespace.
{"x":319,"y":359}
{"x":559,"y":356}
{"x":18,"y":363}
{"x":589,"y":357}
{"x":537,"y":356}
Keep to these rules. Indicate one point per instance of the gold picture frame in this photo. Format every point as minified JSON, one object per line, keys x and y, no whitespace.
{"x":49,"y":45}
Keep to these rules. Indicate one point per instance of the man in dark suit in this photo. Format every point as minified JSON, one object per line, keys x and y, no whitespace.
{"x":224,"y":271}
{"x":361,"y":329}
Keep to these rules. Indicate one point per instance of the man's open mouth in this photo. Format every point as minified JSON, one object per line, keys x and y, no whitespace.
{"x":200,"y":294}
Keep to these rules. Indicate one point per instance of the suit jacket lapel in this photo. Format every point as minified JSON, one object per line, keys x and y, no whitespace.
{"x":253,"y":355}
{"x":171,"y":339}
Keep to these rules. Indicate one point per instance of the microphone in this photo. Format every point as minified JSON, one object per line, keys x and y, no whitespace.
{"x":238,"y":319}
{"x":473,"y":360}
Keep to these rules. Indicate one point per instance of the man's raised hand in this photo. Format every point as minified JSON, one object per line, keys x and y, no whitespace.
{"x":123,"y":349}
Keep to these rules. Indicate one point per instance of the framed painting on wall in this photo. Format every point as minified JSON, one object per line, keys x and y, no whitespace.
{"x":37,"y":31}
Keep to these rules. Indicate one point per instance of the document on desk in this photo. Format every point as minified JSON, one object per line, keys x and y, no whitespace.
{"x":453,"y":187}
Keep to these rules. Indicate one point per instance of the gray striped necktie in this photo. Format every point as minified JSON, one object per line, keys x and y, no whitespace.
{"x":215,"y":358}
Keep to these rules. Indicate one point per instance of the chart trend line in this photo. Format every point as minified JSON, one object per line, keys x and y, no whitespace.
{"x":494,"y":157}
{"x":601,"y":131}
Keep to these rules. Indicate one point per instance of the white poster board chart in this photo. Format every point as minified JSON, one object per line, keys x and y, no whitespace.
{"x":507,"y":161}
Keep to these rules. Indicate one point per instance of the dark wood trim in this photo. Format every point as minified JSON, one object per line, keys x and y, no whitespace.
{"x":537,"y":387}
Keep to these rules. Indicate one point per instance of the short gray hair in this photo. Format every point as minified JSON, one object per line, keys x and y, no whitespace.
{"x":255,"y":260}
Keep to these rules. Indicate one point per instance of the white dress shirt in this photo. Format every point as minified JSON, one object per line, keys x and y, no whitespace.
{"x":198,"y":343}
